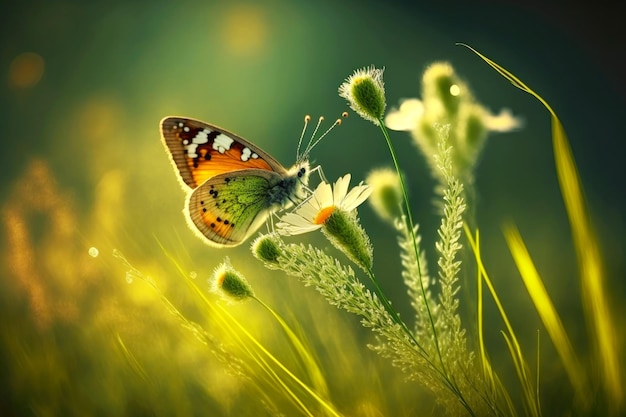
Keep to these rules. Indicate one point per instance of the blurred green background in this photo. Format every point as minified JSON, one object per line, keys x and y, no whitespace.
{"x":85,"y":87}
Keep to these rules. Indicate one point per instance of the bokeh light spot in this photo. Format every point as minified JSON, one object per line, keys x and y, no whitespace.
{"x":455,"y":90}
{"x":99,"y":118}
{"x":245,"y":29}
{"x":94,"y":252}
{"x":26,"y":70}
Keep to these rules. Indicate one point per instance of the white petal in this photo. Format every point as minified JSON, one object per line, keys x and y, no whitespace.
{"x":308,"y":211}
{"x":293,"y":219}
{"x":341,"y":187}
{"x":323,"y":196}
{"x":406,"y":117}
{"x":356,"y":196}
{"x":294,"y":230}
{"x":503,"y":122}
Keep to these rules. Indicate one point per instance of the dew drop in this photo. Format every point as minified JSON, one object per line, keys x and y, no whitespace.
{"x":129,"y":277}
{"x":455,"y":90}
{"x":94,"y":252}
{"x":193,"y":275}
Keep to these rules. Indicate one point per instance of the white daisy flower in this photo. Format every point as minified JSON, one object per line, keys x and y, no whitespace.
{"x":313,"y":213}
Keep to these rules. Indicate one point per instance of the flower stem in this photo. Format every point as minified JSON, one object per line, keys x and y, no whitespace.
{"x":407,"y":207}
{"x":396,"y":317}
{"x":409,"y":217}
{"x":393,"y":313}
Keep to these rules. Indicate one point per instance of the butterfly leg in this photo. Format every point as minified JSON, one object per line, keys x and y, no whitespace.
{"x":269,"y":223}
{"x":320,"y":172}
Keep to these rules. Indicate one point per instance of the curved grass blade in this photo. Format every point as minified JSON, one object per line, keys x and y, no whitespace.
{"x":594,"y":296}
{"x":547,"y":312}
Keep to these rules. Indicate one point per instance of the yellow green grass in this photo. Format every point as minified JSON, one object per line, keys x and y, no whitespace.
{"x":595,"y":300}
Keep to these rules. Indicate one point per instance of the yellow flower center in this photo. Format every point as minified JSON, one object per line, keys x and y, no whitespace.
{"x":323,"y":215}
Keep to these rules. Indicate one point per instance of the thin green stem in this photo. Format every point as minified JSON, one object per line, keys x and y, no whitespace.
{"x":267,"y":367}
{"x":392,"y":312}
{"x":308,"y":362}
{"x":396,"y":317}
{"x":409,"y":216}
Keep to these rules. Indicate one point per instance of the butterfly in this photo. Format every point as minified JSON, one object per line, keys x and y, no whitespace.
{"x":233,"y":185}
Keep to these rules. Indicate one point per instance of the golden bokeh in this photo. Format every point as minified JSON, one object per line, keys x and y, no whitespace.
{"x":26,"y":70}
{"x":104,"y":287}
{"x":245,"y":29}
{"x":99,"y":118}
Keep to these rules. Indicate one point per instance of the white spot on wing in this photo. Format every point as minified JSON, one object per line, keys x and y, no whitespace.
{"x":245,"y":154}
{"x":201,"y":137}
{"x":221,"y":143}
{"x":191,"y":150}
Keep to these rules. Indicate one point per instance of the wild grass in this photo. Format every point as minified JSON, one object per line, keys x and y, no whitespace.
{"x":439,"y":352}
{"x":436,"y":348}
{"x":253,"y":361}
{"x":596,"y":303}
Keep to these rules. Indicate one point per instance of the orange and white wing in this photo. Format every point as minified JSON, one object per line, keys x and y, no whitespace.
{"x":200,"y":151}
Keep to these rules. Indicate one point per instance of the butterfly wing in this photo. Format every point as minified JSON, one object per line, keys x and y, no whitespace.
{"x":227,"y":208}
{"x":200,"y":151}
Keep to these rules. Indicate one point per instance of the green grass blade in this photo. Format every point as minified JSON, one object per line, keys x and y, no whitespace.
{"x":255,"y":350}
{"x":531,"y":403}
{"x":497,"y":389}
{"x":515,"y":349}
{"x":547,"y":312}
{"x":309,"y":361}
{"x":594,"y":297}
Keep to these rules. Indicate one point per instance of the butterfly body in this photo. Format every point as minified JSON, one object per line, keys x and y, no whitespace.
{"x":233,"y":185}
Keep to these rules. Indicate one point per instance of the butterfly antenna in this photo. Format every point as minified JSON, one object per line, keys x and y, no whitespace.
{"x":307,"y":119}
{"x":308,"y":145}
{"x":312,"y":143}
